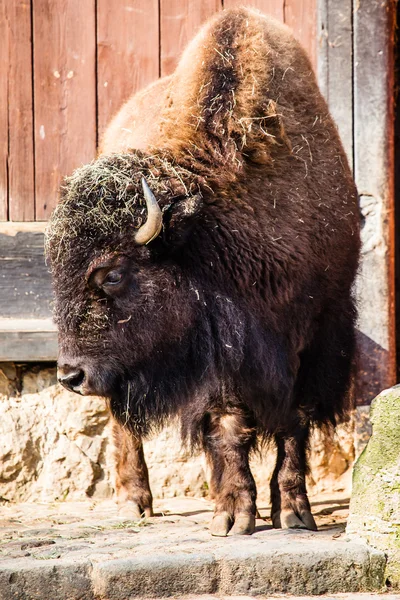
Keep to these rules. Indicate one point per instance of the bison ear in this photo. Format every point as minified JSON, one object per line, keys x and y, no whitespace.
{"x":180,"y":218}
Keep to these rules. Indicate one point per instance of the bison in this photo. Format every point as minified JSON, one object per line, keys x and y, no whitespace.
{"x":203,"y":268}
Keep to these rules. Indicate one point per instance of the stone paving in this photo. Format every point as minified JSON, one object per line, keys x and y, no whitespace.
{"x":87,"y":551}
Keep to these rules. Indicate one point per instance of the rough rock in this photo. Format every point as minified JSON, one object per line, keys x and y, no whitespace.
{"x":375,"y":503}
{"x":55,"y":445}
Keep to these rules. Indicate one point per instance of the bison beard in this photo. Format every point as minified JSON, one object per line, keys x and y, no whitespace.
{"x":220,"y":293}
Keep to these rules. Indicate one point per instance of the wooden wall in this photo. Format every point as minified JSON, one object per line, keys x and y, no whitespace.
{"x":67,"y":65}
{"x":356,"y":76}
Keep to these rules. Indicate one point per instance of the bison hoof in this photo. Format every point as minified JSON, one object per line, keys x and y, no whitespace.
{"x":288,"y":519}
{"x":221,"y":524}
{"x":133,"y":511}
{"x":242,"y":524}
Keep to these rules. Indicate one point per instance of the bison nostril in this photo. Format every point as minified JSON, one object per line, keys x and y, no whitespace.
{"x":72,"y":380}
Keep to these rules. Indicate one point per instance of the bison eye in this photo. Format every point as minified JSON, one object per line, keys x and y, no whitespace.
{"x":112,"y":278}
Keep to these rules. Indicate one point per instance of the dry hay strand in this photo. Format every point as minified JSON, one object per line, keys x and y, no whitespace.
{"x":105,"y":198}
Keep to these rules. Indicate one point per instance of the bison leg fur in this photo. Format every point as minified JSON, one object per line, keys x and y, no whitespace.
{"x":290,"y":504}
{"x":131,"y":475}
{"x":228,"y":439}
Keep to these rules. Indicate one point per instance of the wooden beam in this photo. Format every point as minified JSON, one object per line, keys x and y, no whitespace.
{"x":65,"y":93}
{"x":31,"y":340}
{"x":374,"y":174}
{"x":127,"y":52}
{"x":27,"y":332}
{"x":335,"y":65}
{"x":25,"y":282}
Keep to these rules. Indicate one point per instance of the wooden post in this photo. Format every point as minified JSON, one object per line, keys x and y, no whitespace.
{"x":356,"y":71}
{"x":374,"y":175}
{"x":335,"y":65}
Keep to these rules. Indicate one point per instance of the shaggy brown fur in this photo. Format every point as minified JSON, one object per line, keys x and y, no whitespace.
{"x":239,"y":317}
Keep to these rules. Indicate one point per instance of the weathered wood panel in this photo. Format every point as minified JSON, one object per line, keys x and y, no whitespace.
{"x":24,"y":278}
{"x":179,"y":22}
{"x":335,"y":65}
{"x":65,"y":93}
{"x":27,"y":332}
{"x":16,"y":127}
{"x":4,"y":124}
{"x":269,"y":7}
{"x":21,"y":199}
{"x":374,"y":173}
{"x":37,"y":343}
{"x":127,"y":52}
{"x":300,"y":15}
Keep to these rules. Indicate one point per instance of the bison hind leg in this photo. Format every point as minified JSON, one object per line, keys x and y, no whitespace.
{"x":321,"y":397}
{"x":290,"y":505}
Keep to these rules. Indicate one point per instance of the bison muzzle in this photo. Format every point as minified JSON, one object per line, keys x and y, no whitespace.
{"x":203,"y":268}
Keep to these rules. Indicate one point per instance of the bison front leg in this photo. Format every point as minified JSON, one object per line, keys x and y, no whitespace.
{"x":290,"y":505}
{"x":228,"y":440}
{"x":131,"y":474}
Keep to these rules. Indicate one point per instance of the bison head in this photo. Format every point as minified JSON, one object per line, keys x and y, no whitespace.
{"x":121,"y":300}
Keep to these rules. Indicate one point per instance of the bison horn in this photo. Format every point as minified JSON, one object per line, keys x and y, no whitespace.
{"x":150,"y":230}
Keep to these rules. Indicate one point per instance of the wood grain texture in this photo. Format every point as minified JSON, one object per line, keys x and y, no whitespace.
{"x":27,"y":332}
{"x":127,"y":52}
{"x":65,"y":93}
{"x":21,"y":197}
{"x":269,"y":7}
{"x":4,"y":91}
{"x":24,"y":278}
{"x":301,"y":16}
{"x":374,"y":173}
{"x":16,"y":117}
{"x":179,"y":22}
{"x":335,"y":65}
{"x":23,"y":346}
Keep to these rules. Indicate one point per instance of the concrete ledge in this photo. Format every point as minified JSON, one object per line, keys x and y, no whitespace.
{"x":92,"y":554}
{"x":49,"y":581}
{"x":255,"y":568}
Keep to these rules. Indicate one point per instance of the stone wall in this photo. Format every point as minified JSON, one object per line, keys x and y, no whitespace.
{"x":375,"y":504}
{"x":55,"y":445}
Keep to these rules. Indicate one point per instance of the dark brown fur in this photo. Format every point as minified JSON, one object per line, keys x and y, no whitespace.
{"x":239,"y":318}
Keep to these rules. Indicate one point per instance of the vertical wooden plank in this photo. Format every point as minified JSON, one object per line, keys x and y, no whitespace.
{"x":128,"y":52}
{"x":397,"y":192}
{"x":4,"y":91}
{"x":301,"y":16}
{"x":64,"y":88}
{"x":179,"y":22}
{"x":269,"y":7}
{"x":374,"y":172}
{"x":21,"y":187}
{"x":335,"y":64}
